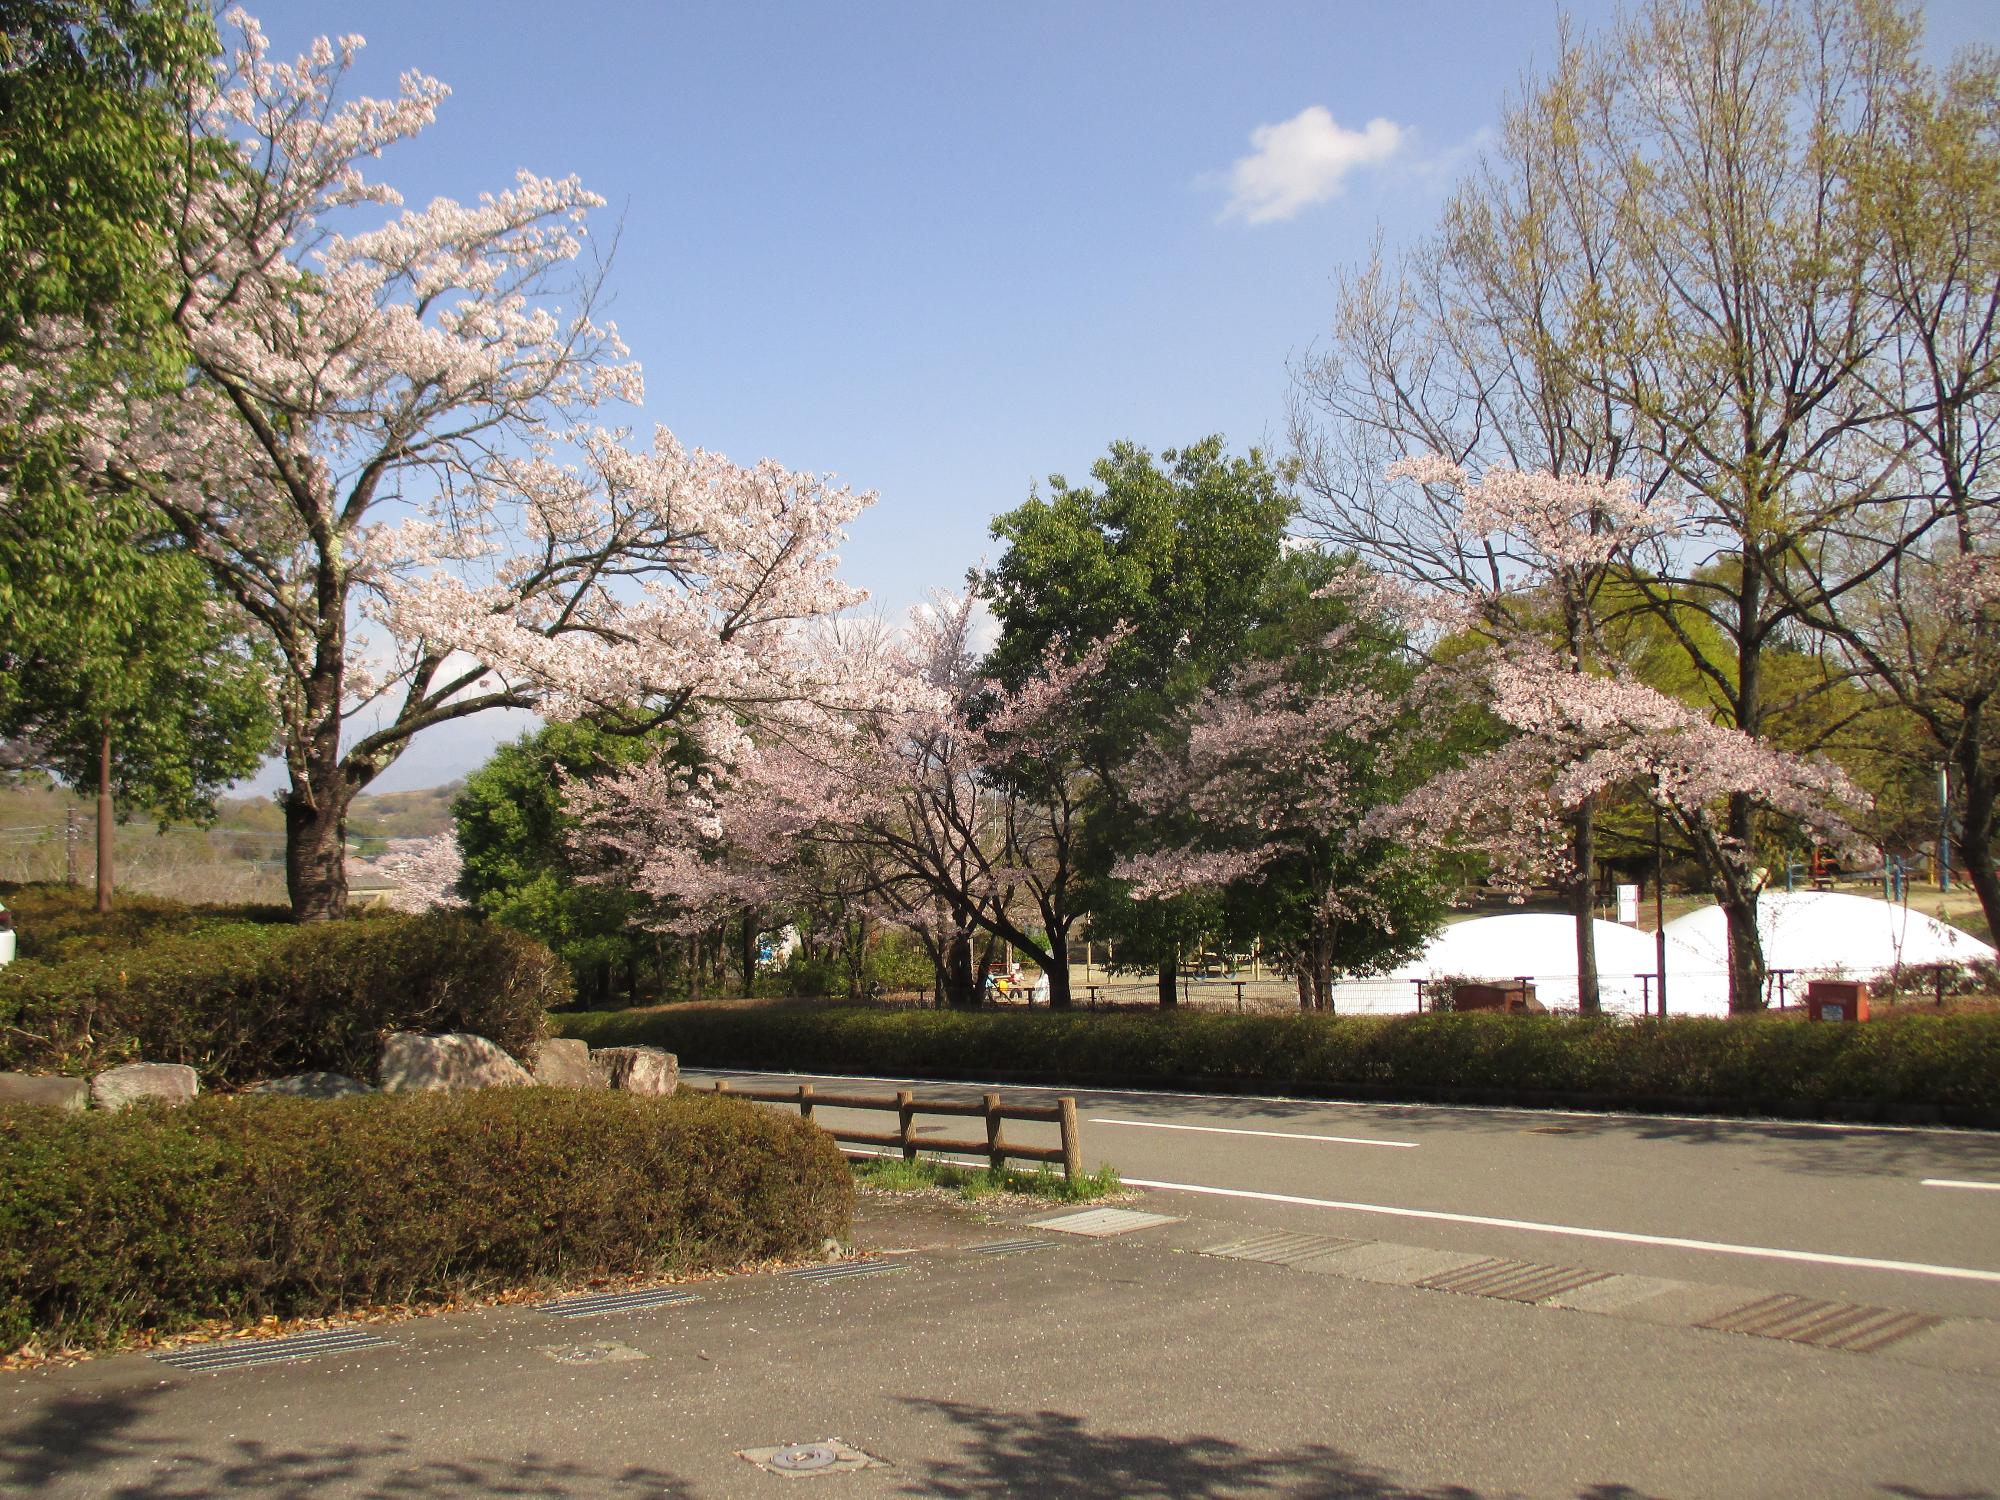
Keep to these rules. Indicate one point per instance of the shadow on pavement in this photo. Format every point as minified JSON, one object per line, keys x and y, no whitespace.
{"x":1053,"y":1453}
{"x":81,"y":1442}
{"x":1793,"y":1146}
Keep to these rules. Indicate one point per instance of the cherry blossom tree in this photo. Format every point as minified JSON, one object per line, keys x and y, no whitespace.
{"x":1552,"y":542}
{"x":1582,"y":735}
{"x":951,"y":809}
{"x":382,"y":451}
{"x":1265,"y":788}
{"x":425,"y":872}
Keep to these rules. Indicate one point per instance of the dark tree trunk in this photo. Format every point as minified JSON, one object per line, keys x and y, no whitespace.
{"x":1976,"y":831}
{"x":1746,"y":955}
{"x":749,"y":953}
{"x":1170,"y":980}
{"x":106,"y":824}
{"x":1583,"y":903}
{"x":316,"y":852}
{"x":960,"y":988}
{"x":1305,"y":984}
{"x":1057,"y":969}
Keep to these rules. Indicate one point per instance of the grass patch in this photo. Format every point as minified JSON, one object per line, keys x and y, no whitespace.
{"x":894,"y":1175}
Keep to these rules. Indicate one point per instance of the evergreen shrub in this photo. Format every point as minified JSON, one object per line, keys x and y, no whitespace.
{"x":1916,"y":1065}
{"x":239,"y":1000}
{"x":152,"y":1219}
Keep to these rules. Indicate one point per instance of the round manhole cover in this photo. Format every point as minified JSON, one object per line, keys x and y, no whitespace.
{"x":803,"y":1458}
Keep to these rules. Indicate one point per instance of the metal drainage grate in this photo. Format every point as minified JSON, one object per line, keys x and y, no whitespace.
{"x":1279,"y":1248}
{"x":1824,"y":1325}
{"x":1012,"y":1247}
{"x":240,"y":1352}
{"x":1512,"y":1280}
{"x":591,"y":1303}
{"x":1100,"y":1222}
{"x":844,"y":1268}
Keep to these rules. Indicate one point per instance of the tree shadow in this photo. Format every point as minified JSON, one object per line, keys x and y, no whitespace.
{"x":85,"y":1441}
{"x":1814,"y":1148}
{"x":1053,"y":1453}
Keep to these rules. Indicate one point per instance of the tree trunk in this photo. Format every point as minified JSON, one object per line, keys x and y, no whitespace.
{"x":1746,"y":955}
{"x":1060,"y":996}
{"x":1583,"y":892}
{"x":316,"y":852}
{"x":1170,"y":979}
{"x":1976,"y":831}
{"x":749,"y":953}
{"x":1305,"y":984}
{"x":106,"y":825}
{"x":959,"y":988}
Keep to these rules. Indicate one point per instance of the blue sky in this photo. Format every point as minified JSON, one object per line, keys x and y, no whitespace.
{"x":942,"y":250}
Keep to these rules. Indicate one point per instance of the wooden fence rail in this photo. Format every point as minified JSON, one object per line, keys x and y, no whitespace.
{"x":907,"y":1106}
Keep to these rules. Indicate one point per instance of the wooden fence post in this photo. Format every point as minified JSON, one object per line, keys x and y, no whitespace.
{"x":906,"y":1115}
{"x":994,"y":1160}
{"x":722,"y":1085}
{"x":805,"y":1101}
{"x":1072,"y":1143}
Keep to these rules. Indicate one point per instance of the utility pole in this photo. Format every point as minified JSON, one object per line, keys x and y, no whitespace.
{"x":104,"y":829}
{"x":1944,"y":830}
{"x":1660,"y":908}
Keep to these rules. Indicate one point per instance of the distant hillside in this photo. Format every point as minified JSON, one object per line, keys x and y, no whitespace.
{"x":240,"y":859}
{"x":404,"y":815}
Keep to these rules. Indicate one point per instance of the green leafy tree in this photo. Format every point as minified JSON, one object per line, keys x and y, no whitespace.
{"x":1177,"y":550}
{"x":125,"y":672}
{"x":512,"y":831}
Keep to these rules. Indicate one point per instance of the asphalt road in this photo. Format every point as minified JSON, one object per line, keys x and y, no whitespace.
{"x":1243,"y":1343}
{"x":1846,"y":1209}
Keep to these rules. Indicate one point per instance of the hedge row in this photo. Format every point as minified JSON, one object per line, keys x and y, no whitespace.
{"x":239,"y":1001}
{"x":233,"y":1208}
{"x":1915,"y":1066}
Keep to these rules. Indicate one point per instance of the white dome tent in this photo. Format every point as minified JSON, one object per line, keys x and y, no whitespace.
{"x":1542,"y":946}
{"x":1829,"y":933}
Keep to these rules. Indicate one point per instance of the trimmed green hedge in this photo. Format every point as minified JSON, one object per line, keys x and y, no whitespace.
{"x":153,"y":1219}
{"x":239,"y":1001}
{"x":1916,"y":1066}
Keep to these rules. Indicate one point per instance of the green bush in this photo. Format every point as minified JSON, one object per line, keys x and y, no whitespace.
{"x":241,"y":1000}
{"x":154,"y":1219}
{"x":1912,"y":1063}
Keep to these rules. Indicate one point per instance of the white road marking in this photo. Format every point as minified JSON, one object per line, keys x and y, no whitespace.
{"x":1674,"y":1242}
{"x":1951,"y":1182}
{"x":1276,"y":1135}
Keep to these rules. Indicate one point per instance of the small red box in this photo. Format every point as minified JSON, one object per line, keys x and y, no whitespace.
{"x":1836,"y":1000}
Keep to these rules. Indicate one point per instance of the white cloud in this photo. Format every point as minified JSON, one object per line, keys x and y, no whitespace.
{"x":1305,"y":160}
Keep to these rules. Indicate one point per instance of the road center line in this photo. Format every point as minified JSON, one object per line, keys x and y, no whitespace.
{"x":1674,"y":1242}
{"x":1951,"y":1182}
{"x":1276,"y":1135}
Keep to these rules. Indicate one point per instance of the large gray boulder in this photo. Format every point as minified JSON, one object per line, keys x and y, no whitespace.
{"x":639,"y":1070}
{"x":51,"y":1093}
{"x":144,"y":1083}
{"x":450,"y":1063}
{"x":312,"y":1086}
{"x":563,"y":1062}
